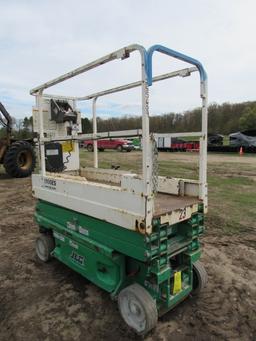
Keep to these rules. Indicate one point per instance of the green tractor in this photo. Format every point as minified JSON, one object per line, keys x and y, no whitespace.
{"x":18,"y":157}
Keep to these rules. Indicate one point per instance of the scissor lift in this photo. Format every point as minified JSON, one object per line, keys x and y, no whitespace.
{"x":134,"y":235}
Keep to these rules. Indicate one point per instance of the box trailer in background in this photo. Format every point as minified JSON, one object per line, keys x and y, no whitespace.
{"x":174,"y":143}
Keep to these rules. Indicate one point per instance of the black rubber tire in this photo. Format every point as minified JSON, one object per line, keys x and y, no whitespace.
{"x":90,"y":148}
{"x":119,"y":148}
{"x":200,"y":278}
{"x":135,"y":293}
{"x":44,"y":246}
{"x":12,"y":164}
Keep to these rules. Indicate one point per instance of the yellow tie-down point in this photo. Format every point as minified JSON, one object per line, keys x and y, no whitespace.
{"x":177,"y":282}
{"x":67,"y":146}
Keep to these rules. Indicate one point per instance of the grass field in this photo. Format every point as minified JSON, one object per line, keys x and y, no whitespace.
{"x":231,"y":182}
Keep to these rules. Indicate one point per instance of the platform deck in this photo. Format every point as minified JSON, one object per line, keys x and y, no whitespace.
{"x":166,"y":203}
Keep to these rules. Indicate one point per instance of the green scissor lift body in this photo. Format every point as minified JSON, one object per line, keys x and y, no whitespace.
{"x":125,"y":257}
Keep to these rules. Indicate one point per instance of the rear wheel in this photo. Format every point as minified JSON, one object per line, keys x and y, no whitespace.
{"x":138,"y":308}
{"x":90,"y":148}
{"x":119,"y":148}
{"x":44,"y":246}
{"x":20,"y":159}
{"x":200,"y":278}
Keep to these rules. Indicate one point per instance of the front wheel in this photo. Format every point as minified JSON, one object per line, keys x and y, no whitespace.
{"x":138,"y":308}
{"x":200,"y":278}
{"x":119,"y":148}
{"x":44,"y":247}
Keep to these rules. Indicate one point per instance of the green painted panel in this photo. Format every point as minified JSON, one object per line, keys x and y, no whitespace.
{"x":130,"y":243}
{"x":106,"y":271}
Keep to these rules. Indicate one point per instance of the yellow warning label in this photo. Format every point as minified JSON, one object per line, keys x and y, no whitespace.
{"x":67,"y":146}
{"x":177,"y":282}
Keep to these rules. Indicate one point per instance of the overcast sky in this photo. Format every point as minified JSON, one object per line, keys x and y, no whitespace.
{"x":44,"y":39}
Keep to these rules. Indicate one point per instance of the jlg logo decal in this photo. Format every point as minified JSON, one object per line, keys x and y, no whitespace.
{"x":77,"y":258}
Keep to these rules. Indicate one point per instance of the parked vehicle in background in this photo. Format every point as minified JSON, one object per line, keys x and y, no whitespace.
{"x":245,"y":138}
{"x":241,"y":139}
{"x":215,"y":140}
{"x":173,"y":144}
{"x":136,"y":142}
{"x":117,"y":144}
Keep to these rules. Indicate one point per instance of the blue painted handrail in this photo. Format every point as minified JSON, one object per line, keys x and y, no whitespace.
{"x":175,"y":54}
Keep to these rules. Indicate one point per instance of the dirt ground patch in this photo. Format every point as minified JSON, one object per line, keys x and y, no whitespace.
{"x":51,"y":302}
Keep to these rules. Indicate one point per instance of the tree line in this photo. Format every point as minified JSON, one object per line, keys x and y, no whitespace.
{"x":223,"y":119}
{"x":21,"y":128}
